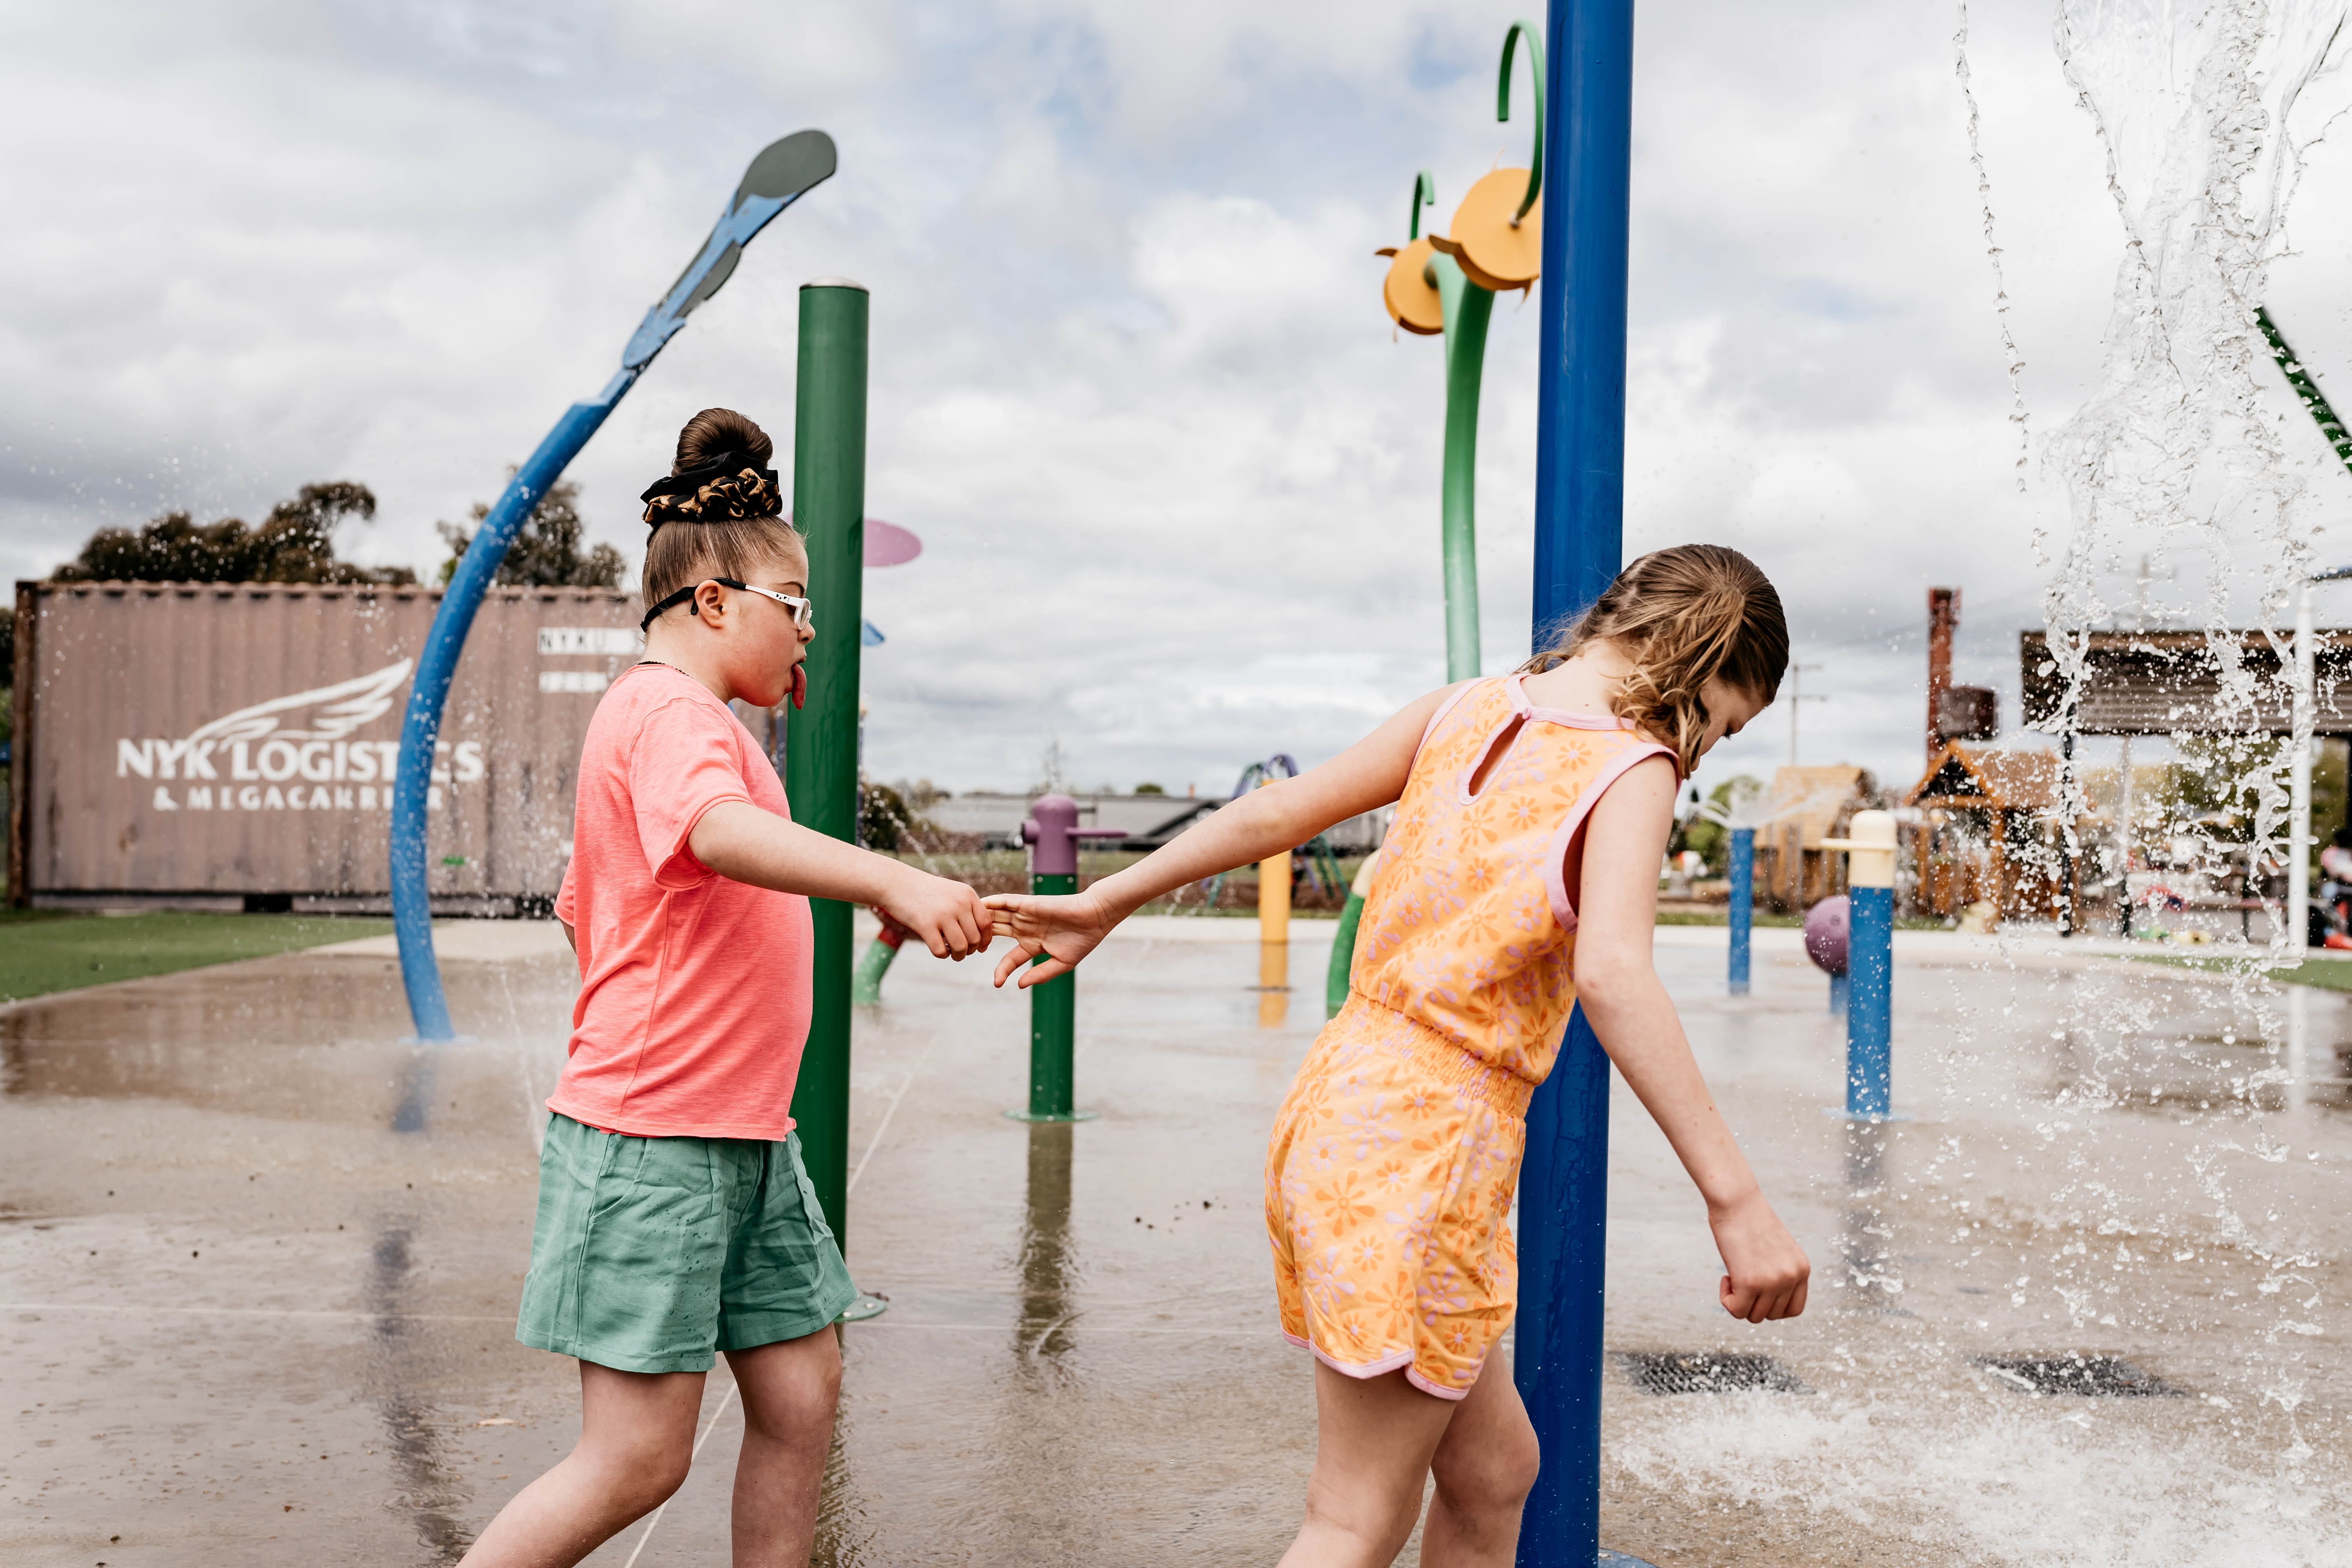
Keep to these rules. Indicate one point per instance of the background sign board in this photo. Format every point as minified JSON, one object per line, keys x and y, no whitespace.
{"x":2169,"y":683}
{"x":223,"y":739}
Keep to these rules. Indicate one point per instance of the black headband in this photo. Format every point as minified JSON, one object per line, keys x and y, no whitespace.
{"x":682,"y":595}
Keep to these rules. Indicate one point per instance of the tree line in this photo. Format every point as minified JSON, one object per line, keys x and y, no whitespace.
{"x":296,"y":544}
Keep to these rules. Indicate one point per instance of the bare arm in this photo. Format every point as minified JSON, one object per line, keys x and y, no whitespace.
{"x":745,"y":844}
{"x":1627,"y":1005}
{"x":1283,"y":815}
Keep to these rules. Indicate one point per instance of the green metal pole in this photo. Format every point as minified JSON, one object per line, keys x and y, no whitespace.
{"x":820,"y":756}
{"x":1468,"y":309}
{"x":1053,"y":1028}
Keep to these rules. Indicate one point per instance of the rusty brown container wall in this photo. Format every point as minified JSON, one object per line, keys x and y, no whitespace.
{"x":236,"y":739}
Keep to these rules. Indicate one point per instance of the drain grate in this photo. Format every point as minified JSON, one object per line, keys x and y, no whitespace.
{"x":2097,"y":1376}
{"x":1703,"y":1372}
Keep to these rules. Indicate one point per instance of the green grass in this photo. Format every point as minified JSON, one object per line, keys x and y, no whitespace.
{"x":2321,"y":973}
{"x":1697,"y":918}
{"x":43,"y":951}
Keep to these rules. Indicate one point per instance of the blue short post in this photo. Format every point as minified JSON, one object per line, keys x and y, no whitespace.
{"x":1579,"y":549}
{"x":1869,"y":1019}
{"x":1869,"y":1022}
{"x":1743,"y":905}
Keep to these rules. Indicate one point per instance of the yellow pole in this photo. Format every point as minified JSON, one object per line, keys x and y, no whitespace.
{"x":1274,"y":898}
{"x":1274,"y":938}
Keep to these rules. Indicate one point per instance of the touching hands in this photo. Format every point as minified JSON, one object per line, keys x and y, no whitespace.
{"x":946,"y":917}
{"x":1064,"y":928}
{"x":1767,"y":1272}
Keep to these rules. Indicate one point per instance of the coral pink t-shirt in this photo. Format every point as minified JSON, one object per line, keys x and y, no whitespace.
{"x":694,"y":990}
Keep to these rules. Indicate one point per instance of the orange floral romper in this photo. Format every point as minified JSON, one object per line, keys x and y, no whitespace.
{"x":1396,"y":1156}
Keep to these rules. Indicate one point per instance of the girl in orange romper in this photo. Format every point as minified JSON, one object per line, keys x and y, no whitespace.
{"x":1517,"y":881}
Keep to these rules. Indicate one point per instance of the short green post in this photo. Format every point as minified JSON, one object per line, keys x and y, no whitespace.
{"x":1053,"y":1031}
{"x":1343,"y":941}
{"x":865,"y":986}
{"x":821,"y":758}
{"x":1053,"y":831}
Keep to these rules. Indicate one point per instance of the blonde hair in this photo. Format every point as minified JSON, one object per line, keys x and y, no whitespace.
{"x":689,"y":545}
{"x":1682,"y":616}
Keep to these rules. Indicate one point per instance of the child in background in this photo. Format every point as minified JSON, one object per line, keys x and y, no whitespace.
{"x":675,"y":1220}
{"x":1519,"y":879}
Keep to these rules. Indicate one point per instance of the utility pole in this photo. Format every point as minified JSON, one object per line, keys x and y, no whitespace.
{"x":1797,"y":701}
{"x":2124,"y":811}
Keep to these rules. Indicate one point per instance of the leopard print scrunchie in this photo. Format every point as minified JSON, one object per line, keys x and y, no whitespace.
{"x":727,"y":487}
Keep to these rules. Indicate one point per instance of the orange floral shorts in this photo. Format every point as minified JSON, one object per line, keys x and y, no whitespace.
{"x":1388,"y":1184}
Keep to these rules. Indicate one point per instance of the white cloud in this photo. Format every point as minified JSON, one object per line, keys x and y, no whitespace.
{"x":1131,"y":380}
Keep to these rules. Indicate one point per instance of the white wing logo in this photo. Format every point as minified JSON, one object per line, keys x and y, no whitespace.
{"x":340,"y":709}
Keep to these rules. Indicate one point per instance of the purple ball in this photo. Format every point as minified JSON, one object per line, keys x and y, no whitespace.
{"x":1827,"y":925}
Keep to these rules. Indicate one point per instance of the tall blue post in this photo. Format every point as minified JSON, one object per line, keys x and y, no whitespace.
{"x":1743,"y":905}
{"x":1580,"y":529}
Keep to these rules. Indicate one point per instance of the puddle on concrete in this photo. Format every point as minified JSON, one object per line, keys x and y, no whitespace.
{"x":244,"y":1227}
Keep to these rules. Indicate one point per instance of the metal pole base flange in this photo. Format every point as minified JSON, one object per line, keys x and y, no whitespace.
{"x":1052,"y":1115}
{"x":867,"y":1305}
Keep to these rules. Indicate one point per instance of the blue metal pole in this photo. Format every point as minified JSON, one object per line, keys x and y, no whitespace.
{"x":1580,"y":529}
{"x":1580,"y":338}
{"x":783,"y":172}
{"x":1869,"y":1017}
{"x":1743,"y":905}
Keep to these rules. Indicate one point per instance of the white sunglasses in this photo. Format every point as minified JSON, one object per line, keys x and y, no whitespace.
{"x":804,"y":611}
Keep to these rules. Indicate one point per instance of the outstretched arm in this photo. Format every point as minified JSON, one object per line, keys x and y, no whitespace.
{"x":1624,"y":840}
{"x":1282,"y":815}
{"x":745,"y":844}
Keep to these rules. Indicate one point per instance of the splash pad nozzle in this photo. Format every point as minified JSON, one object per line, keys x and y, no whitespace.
{"x":782,"y":173}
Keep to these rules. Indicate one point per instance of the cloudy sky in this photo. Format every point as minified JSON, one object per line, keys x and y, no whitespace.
{"x":1132,"y":383}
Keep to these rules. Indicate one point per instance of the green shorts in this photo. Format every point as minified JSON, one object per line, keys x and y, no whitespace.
{"x":652,"y":1254}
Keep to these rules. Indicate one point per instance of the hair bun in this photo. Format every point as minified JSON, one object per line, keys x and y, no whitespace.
{"x":714,"y":433}
{"x":721,"y":473}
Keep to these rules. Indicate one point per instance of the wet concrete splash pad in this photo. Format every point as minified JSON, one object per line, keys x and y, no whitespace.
{"x":262,"y":1257}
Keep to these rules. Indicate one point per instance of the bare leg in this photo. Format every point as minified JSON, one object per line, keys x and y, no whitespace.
{"x":1373,"y":1441}
{"x":1484,"y":1466}
{"x":789,"y":1390}
{"x":637,"y":1438}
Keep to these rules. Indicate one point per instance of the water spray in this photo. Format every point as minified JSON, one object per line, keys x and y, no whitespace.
{"x":782,"y":173}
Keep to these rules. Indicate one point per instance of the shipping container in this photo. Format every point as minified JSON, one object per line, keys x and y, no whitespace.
{"x":195,"y":741}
